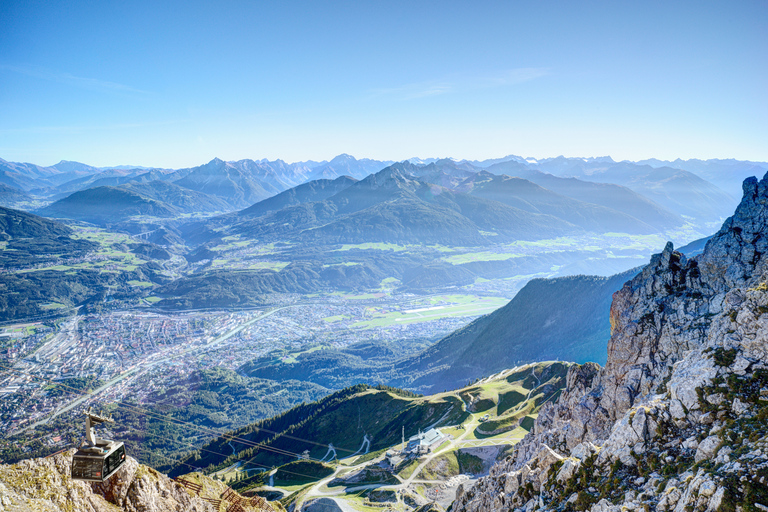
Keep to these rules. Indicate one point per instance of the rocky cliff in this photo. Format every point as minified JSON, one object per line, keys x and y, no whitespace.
{"x":677,"y":419}
{"x":44,"y":485}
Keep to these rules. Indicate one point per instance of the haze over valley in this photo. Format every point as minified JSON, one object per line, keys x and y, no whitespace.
{"x":161,"y":286}
{"x":383,"y":256}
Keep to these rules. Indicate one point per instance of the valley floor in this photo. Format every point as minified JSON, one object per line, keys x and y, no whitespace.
{"x":51,"y":370}
{"x":88,"y":360}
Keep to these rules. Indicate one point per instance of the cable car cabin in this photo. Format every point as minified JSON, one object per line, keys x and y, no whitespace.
{"x":97,"y":467}
{"x":98,"y":459}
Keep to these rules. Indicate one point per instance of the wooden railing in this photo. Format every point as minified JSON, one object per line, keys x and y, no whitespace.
{"x":216,"y":503}
{"x":237,"y":502}
{"x":190,"y":485}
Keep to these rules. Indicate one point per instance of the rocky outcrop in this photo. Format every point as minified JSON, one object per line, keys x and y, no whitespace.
{"x":45,"y":485}
{"x":326,"y":505}
{"x":677,"y":418}
{"x":366,"y":475}
{"x":430,"y":507}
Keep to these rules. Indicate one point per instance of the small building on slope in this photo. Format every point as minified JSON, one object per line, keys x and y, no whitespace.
{"x":424,"y":442}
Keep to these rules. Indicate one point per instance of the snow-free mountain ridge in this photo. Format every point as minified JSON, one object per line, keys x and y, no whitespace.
{"x":676,"y":418}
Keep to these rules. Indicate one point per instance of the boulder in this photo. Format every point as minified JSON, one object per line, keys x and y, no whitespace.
{"x":707,"y":448}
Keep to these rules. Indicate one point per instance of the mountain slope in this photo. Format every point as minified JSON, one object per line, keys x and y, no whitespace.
{"x":71,"y":167}
{"x":186,"y":200}
{"x":254,"y":288}
{"x":102,"y":205}
{"x":727,"y":174}
{"x":382,"y":415}
{"x":11,"y":197}
{"x":116,"y":178}
{"x":680,"y":191}
{"x":238,"y":289}
{"x":403,"y":220}
{"x":245,"y":182}
{"x":677,"y":190}
{"x":315,"y":425}
{"x":564,"y":318}
{"x":17,"y":175}
{"x":44,"y":294}
{"x":107,"y":178}
{"x":225,"y":180}
{"x":31,"y":177}
{"x":276,"y":175}
{"x":313,"y":191}
{"x":676,"y":419}
{"x":446,"y":173}
{"x":31,"y":239}
{"x":393,"y":205}
{"x":531,"y":197}
{"x":609,"y":195}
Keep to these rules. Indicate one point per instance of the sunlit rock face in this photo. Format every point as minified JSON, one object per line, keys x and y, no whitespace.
{"x":677,"y":419}
{"x":44,"y":485}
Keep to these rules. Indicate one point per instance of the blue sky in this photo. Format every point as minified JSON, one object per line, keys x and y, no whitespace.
{"x":175,"y":84}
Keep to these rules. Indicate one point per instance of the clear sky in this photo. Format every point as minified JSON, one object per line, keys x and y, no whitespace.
{"x":176,"y":83}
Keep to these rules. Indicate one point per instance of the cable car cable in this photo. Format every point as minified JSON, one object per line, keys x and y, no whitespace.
{"x":164,"y":419}
{"x":178,"y":461}
{"x":229,"y":436}
{"x":144,"y":412}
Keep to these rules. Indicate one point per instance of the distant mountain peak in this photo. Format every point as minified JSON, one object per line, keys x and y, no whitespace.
{"x":344,"y":157}
{"x":72,"y":166}
{"x":397,"y":176}
{"x":398,"y":168}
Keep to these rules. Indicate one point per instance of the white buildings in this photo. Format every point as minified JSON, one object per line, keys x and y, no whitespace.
{"x":424,"y":442}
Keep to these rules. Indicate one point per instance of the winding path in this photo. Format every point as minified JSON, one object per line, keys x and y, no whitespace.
{"x":320,"y":489}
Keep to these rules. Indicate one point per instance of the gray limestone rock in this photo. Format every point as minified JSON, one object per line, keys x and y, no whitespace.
{"x":667,"y":324}
{"x":570,"y":466}
{"x":326,"y":505}
{"x":707,"y":448}
{"x":738,"y":407}
{"x":45,"y":485}
{"x":583,"y":450}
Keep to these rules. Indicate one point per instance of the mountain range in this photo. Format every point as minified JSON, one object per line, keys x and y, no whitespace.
{"x":398,"y":205}
{"x":675,"y":420}
{"x":609,"y":195}
{"x":671,"y":188}
{"x":389,"y":206}
{"x":728,"y":174}
{"x":442,"y":203}
{"x":527,"y":195}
